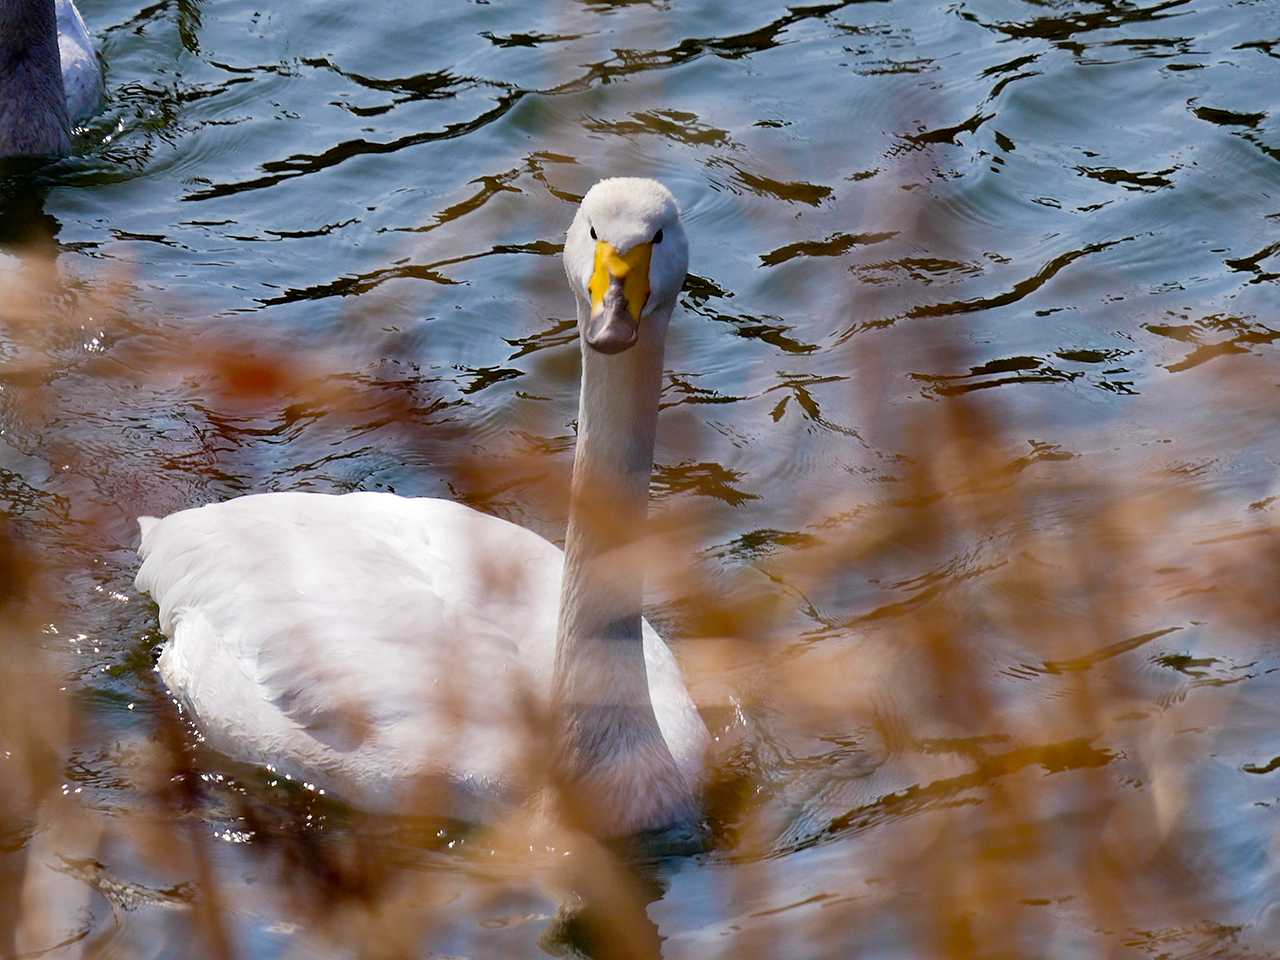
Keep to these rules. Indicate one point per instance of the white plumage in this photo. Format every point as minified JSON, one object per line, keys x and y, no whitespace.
{"x":81,"y":75}
{"x":376,"y":644}
{"x":341,"y":638}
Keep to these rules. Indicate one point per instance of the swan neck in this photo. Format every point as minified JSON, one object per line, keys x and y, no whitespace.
{"x":33,"y":101}
{"x":610,"y":751}
{"x":613,"y":461}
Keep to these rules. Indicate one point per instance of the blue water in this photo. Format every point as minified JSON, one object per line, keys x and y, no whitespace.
{"x":1068,"y":209}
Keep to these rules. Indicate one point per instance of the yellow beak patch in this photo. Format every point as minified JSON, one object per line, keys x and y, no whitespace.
{"x":632,"y":269}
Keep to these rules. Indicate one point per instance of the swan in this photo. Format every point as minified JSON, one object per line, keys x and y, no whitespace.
{"x":375,"y":643}
{"x":49,"y":76}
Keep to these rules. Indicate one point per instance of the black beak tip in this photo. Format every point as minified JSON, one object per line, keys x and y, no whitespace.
{"x":611,"y":340}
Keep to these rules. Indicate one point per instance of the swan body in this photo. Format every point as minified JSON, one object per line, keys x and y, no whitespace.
{"x":336,"y":637}
{"x":392,"y":648}
{"x":49,"y":76}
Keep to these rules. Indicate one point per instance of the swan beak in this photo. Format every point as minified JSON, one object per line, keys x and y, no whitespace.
{"x":619,"y":288}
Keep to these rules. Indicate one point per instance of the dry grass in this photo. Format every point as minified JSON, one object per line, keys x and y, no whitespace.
{"x":1015,"y":789}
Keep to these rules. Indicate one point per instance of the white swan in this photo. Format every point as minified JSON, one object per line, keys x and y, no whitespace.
{"x":371,"y":642}
{"x":49,"y":76}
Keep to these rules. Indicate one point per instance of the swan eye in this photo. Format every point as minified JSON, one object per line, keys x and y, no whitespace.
{"x":593,"y":234}
{"x":657,"y":237}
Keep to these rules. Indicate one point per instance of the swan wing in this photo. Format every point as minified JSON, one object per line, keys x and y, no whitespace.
{"x":81,"y":75}
{"x":362,"y":639}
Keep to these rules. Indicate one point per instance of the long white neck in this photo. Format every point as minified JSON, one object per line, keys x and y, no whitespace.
{"x":610,"y":748}
{"x":33,"y":101}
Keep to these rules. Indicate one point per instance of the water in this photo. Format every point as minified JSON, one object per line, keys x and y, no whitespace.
{"x":1082,"y":197}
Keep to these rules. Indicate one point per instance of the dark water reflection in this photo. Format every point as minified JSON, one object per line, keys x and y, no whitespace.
{"x":1084,"y":195}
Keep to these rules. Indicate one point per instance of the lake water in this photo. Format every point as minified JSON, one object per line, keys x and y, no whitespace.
{"x":1064,"y":211}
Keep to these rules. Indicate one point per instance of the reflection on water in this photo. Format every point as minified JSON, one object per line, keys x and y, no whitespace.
{"x":1067,"y":211}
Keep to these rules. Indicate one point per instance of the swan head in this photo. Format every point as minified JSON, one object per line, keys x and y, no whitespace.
{"x":625,"y":256}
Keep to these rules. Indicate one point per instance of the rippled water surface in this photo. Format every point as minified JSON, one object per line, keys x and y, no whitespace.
{"x":1083,"y":196}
